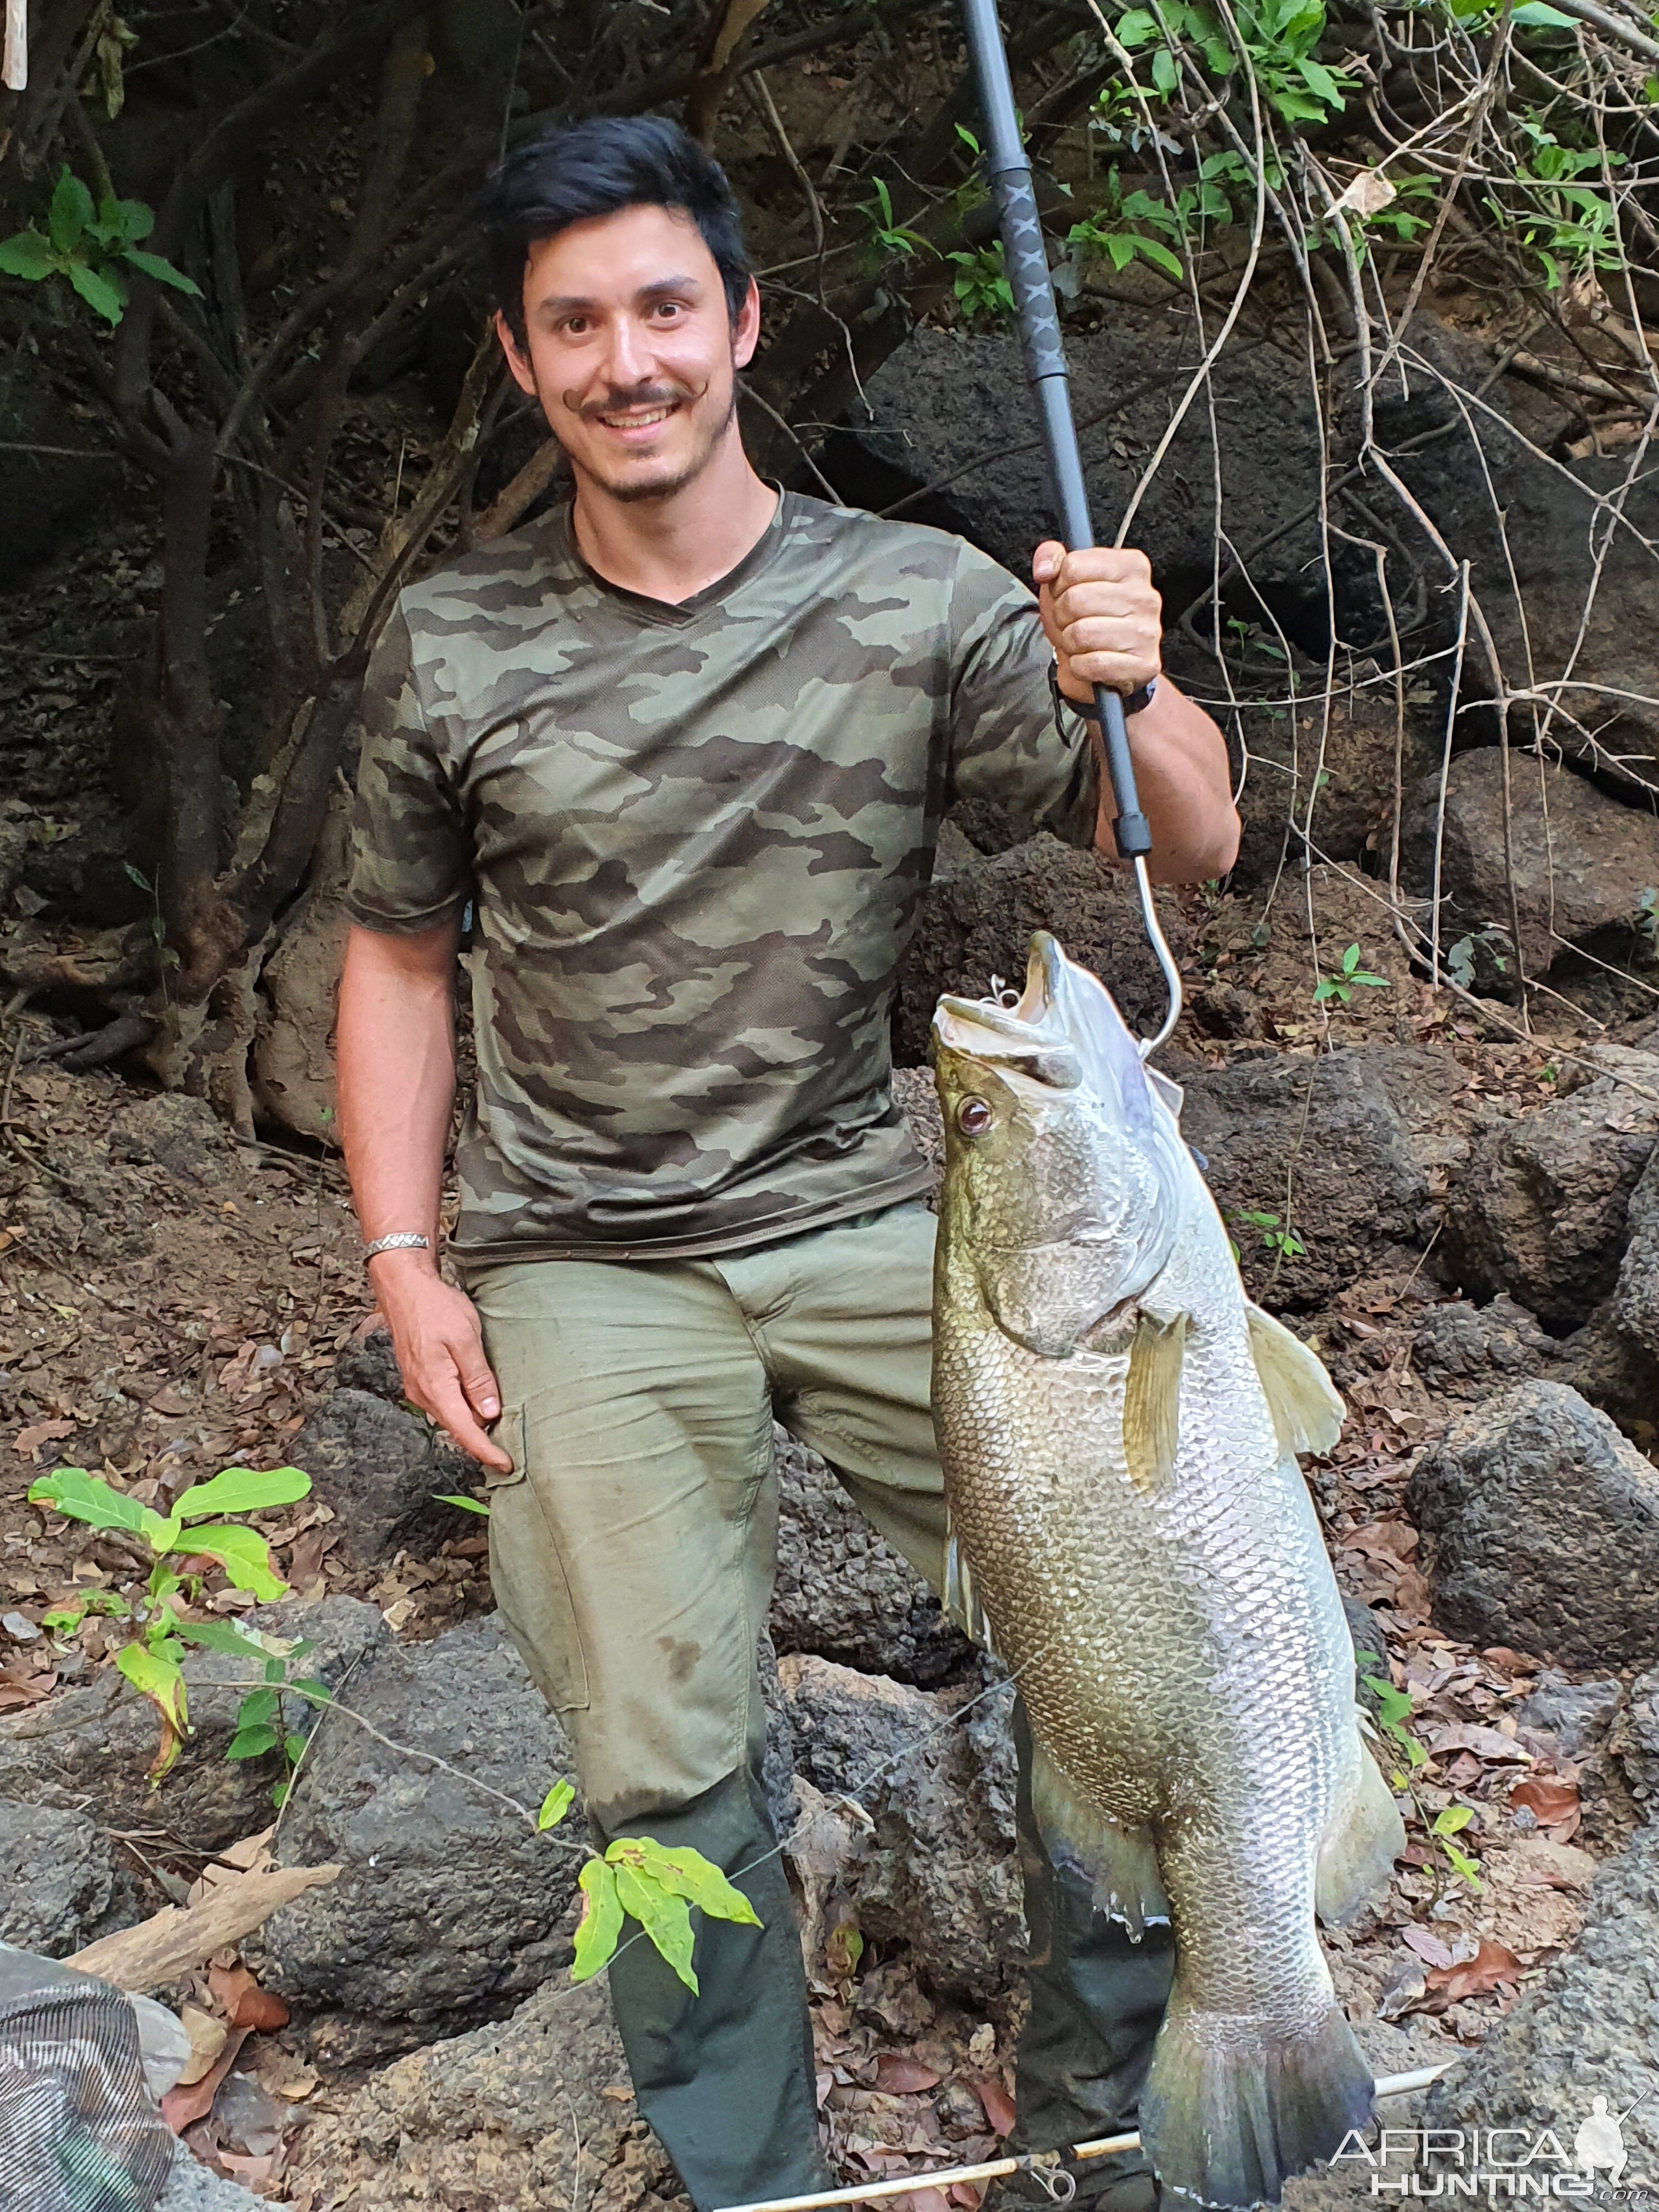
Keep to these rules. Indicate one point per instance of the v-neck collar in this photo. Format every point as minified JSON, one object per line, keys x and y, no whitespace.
{"x":679,"y":615}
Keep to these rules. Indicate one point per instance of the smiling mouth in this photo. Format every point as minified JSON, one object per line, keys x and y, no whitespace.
{"x":643,"y":418}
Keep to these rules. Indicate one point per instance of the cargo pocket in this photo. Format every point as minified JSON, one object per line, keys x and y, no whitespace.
{"x":527,"y":1575}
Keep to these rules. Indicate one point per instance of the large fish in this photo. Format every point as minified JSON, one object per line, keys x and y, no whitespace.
{"x":1119,"y":1427}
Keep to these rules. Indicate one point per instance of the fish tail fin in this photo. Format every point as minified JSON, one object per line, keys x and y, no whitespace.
{"x":1231,"y":2111}
{"x":1356,"y":1860}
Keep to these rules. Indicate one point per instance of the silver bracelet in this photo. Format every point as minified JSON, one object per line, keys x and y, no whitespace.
{"x":404,"y":1240}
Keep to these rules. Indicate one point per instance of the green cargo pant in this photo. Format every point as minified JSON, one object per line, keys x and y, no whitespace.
{"x":633,"y":1553}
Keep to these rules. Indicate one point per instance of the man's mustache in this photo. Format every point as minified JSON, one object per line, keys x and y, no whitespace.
{"x":639,"y":395}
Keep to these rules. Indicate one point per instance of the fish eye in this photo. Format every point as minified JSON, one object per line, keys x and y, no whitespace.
{"x":974,"y":1117}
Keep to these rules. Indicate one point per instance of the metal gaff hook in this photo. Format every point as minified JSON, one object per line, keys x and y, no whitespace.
{"x":1008,"y":173}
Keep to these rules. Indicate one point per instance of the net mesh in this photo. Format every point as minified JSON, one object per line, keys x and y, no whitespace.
{"x":79,"y":2131}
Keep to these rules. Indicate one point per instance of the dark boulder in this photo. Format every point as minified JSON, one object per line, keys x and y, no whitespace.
{"x":450,"y":1904}
{"x":1540,"y":1530}
{"x":1540,"y":1208}
{"x":56,"y":1879}
{"x":382,"y":1471}
{"x":1467,"y":1350}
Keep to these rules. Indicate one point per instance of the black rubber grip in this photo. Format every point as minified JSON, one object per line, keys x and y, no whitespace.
{"x":1026,"y":261}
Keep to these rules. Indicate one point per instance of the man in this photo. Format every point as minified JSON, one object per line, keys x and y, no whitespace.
{"x":684,"y":747}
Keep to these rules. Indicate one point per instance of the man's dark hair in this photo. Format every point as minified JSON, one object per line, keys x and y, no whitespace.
{"x":599,"y":167}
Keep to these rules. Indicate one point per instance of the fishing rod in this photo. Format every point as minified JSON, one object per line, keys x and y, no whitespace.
{"x":1008,"y":173}
{"x":1044,"y":2165}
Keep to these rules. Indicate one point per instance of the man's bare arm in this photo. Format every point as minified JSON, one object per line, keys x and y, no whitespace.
{"x":395,"y":1048}
{"x":1105,"y":621}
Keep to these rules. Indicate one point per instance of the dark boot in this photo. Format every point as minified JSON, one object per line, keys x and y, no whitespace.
{"x":1097,"y":2000}
{"x":725,"y":2077}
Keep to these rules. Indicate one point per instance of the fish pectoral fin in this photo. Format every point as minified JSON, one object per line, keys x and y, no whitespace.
{"x":960,"y":1598}
{"x":1356,"y":1859}
{"x":1306,"y":1405}
{"x":1151,"y":1401}
{"x":1120,"y":1864}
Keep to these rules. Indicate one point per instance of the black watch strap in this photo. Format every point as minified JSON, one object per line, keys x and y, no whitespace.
{"x":1134,"y":702}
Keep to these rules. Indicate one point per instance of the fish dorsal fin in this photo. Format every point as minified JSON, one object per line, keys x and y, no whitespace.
{"x":1306,"y":1405}
{"x":1170,"y":1093}
{"x":1151,"y":1401}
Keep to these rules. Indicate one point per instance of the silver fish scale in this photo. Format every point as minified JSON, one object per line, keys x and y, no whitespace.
{"x":1171,"y":1649}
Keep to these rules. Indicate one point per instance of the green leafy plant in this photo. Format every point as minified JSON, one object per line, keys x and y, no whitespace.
{"x":641,"y":1879}
{"x":1394,"y":1709}
{"x":152,"y":1659}
{"x":889,"y":237}
{"x":91,"y":246}
{"x":1280,"y":1239}
{"x":166,"y":958}
{"x":1121,"y":230}
{"x":467,"y":1505}
{"x":1280,"y":39}
{"x":1461,"y":958}
{"x":1568,"y":226}
{"x":1349,"y":978}
{"x":981,"y":287}
{"x":1450,"y":1822}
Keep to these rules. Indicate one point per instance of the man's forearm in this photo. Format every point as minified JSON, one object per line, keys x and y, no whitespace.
{"x":395,"y":1049}
{"x":1185,"y":786}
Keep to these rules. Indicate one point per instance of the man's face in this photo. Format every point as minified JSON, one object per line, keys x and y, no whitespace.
{"x":631,"y":350}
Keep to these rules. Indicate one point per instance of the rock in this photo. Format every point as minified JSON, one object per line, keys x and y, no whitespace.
{"x":1350,"y":752}
{"x":1541,"y":1529}
{"x":1589,"y":2027}
{"x":1636,"y":1294}
{"x":92,"y":1747}
{"x":1636,"y":1743}
{"x":192,"y":2187}
{"x":450,"y":1904}
{"x":369,"y":1363}
{"x":181,"y":1133}
{"x":1463,"y":1348}
{"x":1329,"y":1123}
{"x":1530,"y":524}
{"x":842,"y":1591}
{"x":1541,"y":1208}
{"x":382,"y":1470}
{"x":56,"y":1879}
{"x":538,"y":2113}
{"x":977,"y":922}
{"x":938,"y":1869}
{"x":1576,"y":1714}
{"x":1582,"y":861}
{"x":299,"y":984}
{"x":943,"y":402}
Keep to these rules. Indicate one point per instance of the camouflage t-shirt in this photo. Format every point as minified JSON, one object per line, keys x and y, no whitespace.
{"x":694,"y":837}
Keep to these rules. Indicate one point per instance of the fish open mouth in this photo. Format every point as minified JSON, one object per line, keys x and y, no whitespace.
{"x":1035,"y":1026}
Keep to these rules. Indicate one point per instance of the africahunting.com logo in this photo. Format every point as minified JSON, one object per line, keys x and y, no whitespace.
{"x":1502,"y":2164}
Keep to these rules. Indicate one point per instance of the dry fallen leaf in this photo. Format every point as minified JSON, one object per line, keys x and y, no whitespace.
{"x":900,"y":2076}
{"x":1484,"y":1742}
{"x":29,"y":1441}
{"x":1550,"y":1803}
{"x":243,"y":2003}
{"x":182,"y":2107}
{"x":999,"y":2105}
{"x":1493,"y":1964}
{"x":207,"y":2040}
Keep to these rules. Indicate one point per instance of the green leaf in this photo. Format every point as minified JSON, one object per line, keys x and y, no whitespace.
{"x":65,"y":1618}
{"x":27,"y":254}
{"x":686,"y":1873}
{"x":468,"y":1504}
{"x":245,"y":1555}
{"x":126,"y":220}
{"x":1137,"y":27}
{"x":152,"y":264}
{"x":102,"y":293}
{"x":1159,"y":256}
{"x":1316,"y":75}
{"x":318,"y":1692}
{"x":279,"y":1794}
{"x":79,"y":1496}
{"x":1166,"y":76}
{"x":258,"y":1707}
{"x":1538,"y":16}
{"x":158,"y":1678}
{"x":1462,"y":1863}
{"x":1452,"y":1820}
{"x":292,"y":1748}
{"x":243,"y":1490}
{"x":665,"y":1918}
{"x":557,"y":1803}
{"x":224,"y":1635}
{"x":70,"y":211}
{"x":251,"y":1742}
{"x":601,"y":1921}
